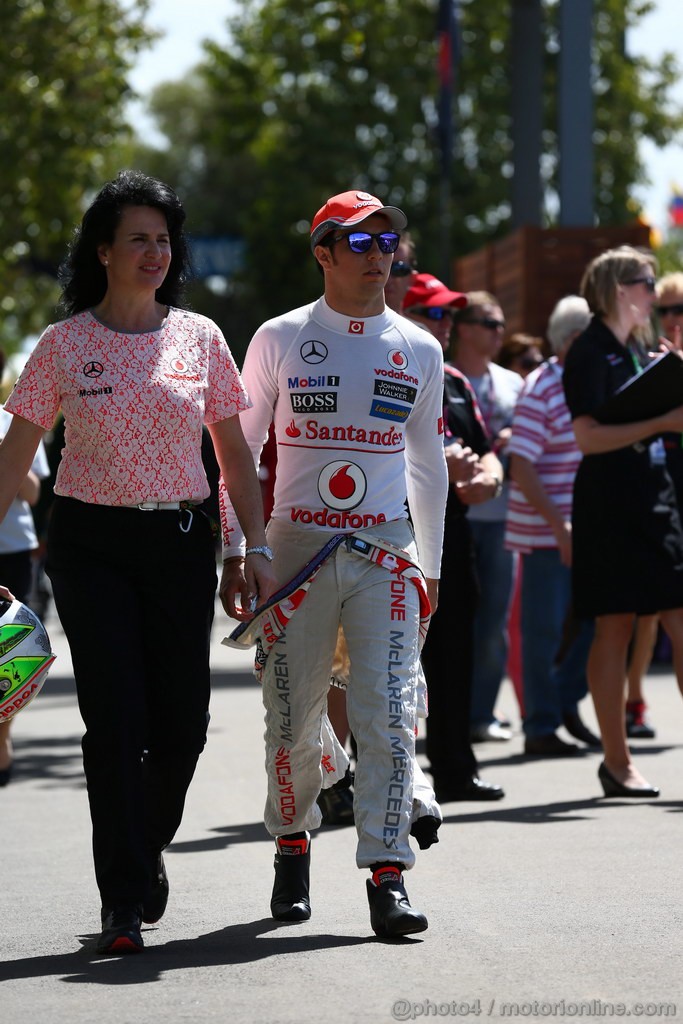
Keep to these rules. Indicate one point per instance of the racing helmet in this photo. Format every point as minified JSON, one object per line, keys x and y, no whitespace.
{"x":25,"y":657}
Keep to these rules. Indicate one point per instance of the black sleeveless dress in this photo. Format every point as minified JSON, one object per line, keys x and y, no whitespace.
{"x":627,"y":535}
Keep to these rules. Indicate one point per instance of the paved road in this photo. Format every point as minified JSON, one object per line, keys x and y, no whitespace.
{"x":553,"y":901}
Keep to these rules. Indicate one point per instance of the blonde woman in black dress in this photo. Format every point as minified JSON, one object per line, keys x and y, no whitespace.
{"x":627,"y":535}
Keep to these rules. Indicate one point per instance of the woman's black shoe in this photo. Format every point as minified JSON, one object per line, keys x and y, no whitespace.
{"x":6,"y":774}
{"x":612,"y":786}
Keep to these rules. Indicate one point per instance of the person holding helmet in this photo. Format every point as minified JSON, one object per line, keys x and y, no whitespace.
{"x":130,"y":552}
{"x":355,"y":394}
{"x":18,"y":541}
{"x":25,"y":656}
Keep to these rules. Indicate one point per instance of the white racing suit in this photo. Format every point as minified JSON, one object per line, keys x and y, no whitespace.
{"x":424,"y":799}
{"x":380,"y":614}
{"x":357,"y":409}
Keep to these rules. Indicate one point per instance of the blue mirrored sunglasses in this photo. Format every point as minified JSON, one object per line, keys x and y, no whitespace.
{"x":361,"y":241}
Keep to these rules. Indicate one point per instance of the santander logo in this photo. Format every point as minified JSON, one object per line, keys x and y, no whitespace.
{"x":292,"y":430}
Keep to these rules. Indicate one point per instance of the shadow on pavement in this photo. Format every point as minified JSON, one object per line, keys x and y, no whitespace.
{"x":236,"y":944}
{"x":49,"y":761}
{"x":562,"y":811}
{"x":226,"y":836}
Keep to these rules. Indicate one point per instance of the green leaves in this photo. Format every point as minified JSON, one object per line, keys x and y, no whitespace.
{"x":63,"y":81}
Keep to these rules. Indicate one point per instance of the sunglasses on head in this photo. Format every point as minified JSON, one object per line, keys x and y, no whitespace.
{"x":399,"y":268}
{"x":361,"y":241}
{"x":488,"y":322}
{"x":649,"y":282}
{"x":433,"y":312}
{"x":674,"y":310}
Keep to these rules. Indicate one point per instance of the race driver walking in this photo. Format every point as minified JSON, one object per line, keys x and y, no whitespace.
{"x":354,"y":391}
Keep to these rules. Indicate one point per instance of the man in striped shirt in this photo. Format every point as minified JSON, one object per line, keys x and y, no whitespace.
{"x":544,"y":458}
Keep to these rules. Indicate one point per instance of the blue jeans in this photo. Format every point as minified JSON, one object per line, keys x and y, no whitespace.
{"x":550,"y":690}
{"x":495,"y":569}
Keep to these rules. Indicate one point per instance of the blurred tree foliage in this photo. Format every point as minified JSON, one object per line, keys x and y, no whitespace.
{"x":309,"y":98}
{"x":63,"y":82}
{"x":312,"y":98}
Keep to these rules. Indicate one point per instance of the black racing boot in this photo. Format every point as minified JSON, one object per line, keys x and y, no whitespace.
{"x":290,"y":900}
{"x":391,"y":914}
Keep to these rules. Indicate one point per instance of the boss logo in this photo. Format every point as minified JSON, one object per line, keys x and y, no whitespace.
{"x":313,"y":401}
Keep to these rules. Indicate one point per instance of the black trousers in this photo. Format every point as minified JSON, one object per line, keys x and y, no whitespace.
{"x":134,"y":591}
{"x":447,"y":659}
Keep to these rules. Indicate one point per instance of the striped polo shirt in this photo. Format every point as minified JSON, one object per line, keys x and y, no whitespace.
{"x":542,"y":433}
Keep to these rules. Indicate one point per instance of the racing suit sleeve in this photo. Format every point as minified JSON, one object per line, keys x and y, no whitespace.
{"x":427,"y":476}
{"x":259,"y":375}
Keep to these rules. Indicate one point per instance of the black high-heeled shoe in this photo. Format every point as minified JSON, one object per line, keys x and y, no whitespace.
{"x":6,"y":774}
{"x":612,"y":786}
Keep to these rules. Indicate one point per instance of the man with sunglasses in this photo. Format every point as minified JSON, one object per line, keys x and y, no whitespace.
{"x":432,"y":305}
{"x":402,"y":273}
{"x":475,"y":476}
{"x":355,"y":395}
{"x":475,"y":342}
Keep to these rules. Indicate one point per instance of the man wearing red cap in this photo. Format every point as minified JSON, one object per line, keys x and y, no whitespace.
{"x":355,"y":395}
{"x":432,"y":305}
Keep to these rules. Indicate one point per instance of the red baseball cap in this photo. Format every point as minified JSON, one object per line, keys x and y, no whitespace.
{"x":349,"y":209}
{"x":427,"y":290}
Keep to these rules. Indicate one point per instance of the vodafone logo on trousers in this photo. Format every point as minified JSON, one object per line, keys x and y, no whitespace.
{"x":342,"y":485}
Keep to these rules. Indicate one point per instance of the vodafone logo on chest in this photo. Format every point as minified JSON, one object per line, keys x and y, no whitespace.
{"x":356,"y":327}
{"x":397,"y":360}
{"x":342,"y":485}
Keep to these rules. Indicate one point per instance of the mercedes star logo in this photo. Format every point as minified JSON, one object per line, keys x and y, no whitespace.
{"x":93,"y":369}
{"x":313,"y":352}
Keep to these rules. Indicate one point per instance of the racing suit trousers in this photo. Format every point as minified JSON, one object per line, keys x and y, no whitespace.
{"x":380,"y":617}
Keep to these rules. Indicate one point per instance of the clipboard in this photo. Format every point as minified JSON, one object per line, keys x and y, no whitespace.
{"x":656,"y":390}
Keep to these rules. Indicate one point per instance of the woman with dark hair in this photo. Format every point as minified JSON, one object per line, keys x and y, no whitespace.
{"x":136,"y":377}
{"x":627,"y":540}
